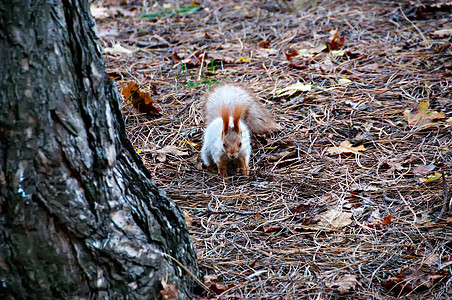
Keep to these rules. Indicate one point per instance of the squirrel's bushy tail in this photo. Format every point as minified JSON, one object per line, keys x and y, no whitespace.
{"x":255,"y":116}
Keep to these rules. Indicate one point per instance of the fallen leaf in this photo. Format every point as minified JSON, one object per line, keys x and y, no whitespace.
{"x":333,"y":218}
{"x":141,"y":100}
{"x":170,"y":291}
{"x":211,"y":281}
{"x":441,"y":33}
{"x":396,"y":163}
{"x":264,"y":44}
{"x":410,"y":278}
{"x":338,"y":53}
{"x":291,"y":54}
{"x":335,"y":41}
{"x":292,"y":89}
{"x":118,"y":49}
{"x":386,"y":220}
{"x":330,"y":199}
{"x":243,"y":59}
{"x":299,"y":209}
{"x":162,"y":153}
{"x":363,"y":187}
{"x":433,"y":177}
{"x":377,"y":224}
{"x":188,"y":219}
{"x":192,"y":61}
{"x":423,"y":169}
{"x":421,"y":116}
{"x":98,"y":12}
{"x":282,"y":155}
{"x":344,"y":284}
{"x":344,"y":81}
{"x":320,"y":48}
{"x":271,"y":228}
{"x":346,"y":147}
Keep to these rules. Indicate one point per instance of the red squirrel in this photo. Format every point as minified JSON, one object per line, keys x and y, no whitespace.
{"x":232,"y":114}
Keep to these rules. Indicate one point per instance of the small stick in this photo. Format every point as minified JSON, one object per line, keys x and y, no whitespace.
{"x":185,"y":107}
{"x":415,"y":27}
{"x":190,"y":273}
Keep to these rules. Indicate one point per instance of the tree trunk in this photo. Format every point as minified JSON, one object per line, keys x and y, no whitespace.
{"x":79,"y":215}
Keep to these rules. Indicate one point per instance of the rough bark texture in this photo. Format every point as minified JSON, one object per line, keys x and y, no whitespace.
{"x":79,"y":214}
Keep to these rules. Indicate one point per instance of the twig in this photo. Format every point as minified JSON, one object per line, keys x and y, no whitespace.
{"x":415,"y":27}
{"x":185,"y":107}
{"x":190,"y":273}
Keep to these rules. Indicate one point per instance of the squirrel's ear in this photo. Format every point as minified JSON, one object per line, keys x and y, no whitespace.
{"x":225,"y":117}
{"x":239,"y":110}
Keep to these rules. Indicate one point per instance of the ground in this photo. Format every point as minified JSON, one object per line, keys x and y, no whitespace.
{"x":316,"y":218}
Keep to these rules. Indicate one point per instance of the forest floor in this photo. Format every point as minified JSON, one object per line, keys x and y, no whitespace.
{"x":350,"y":199}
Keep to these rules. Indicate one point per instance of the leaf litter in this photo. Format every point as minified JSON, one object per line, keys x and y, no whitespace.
{"x":372,"y":68}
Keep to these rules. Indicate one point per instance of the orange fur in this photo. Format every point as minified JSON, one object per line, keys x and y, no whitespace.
{"x":256,"y":117}
{"x":225,"y":111}
{"x":239,"y":110}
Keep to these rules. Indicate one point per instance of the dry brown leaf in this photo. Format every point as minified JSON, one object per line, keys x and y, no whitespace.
{"x":118,"y":49}
{"x":188,"y":219}
{"x":211,"y":281}
{"x":421,"y":116}
{"x":98,"y":12}
{"x":335,"y":41}
{"x":377,"y":224}
{"x":170,"y":291}
{"x":271,"y":228}
{"x":333,"y":218}
{"x":291,"y":54}
{"x":299,"y":209}
{"x":167,"y":150}
{"x":441,"y":33}
{"x":141,"y":100}
{"x":344,"y":284}
{"x":330,"y":199}
{"x":346,"y":147}
{"x":264,"y":44}
{"x":292,"y":89}
{"x":282,"y":155}
{"x":410,"y":278}
{"x":423,"y":169}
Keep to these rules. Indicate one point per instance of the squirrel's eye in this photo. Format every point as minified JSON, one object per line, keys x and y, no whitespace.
{"x":240,"y":144}
{"x":224,"y":145}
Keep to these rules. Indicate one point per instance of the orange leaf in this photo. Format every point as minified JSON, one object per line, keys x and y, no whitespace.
{"x":336,"y":41}
{"x":264,"y":44}
{"x":141,"y":100}
{"x":380,"y":223}
{"x":272,"y":228}
{"x":386,"y":220}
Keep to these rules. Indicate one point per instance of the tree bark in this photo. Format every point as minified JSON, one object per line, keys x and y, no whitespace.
{"x":79,"y":214}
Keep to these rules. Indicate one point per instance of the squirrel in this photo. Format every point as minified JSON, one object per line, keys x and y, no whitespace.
{"x":232,"y":114}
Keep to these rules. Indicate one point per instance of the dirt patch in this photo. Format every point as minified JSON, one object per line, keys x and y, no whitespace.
{"x":309,"y":222}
